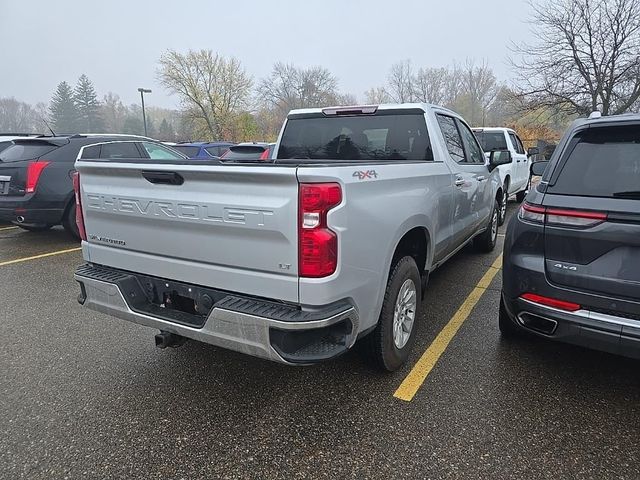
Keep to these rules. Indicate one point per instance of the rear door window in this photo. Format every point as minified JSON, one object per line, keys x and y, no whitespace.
{"x":25,"y":151}
{"x":452,"y":137}
{"x":515,"y":141}
{"x":602,"y":162}
{"x":474,"y":153}
{"x":120,"y":150}
{"x":385,"y":136}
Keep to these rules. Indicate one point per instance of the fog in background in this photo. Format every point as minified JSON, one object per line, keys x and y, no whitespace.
{"x":117,"y":44}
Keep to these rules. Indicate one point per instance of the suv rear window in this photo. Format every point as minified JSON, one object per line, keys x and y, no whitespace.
{"x":603,"y":162}
{"x":187,"y":150}
{"x":25,"y":151}
{"x":491,"y":140}
{"x":245,"y":152}
{"x":376,"y":137}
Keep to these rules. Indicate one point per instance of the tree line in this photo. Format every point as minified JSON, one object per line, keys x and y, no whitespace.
{"x":583,"y":56}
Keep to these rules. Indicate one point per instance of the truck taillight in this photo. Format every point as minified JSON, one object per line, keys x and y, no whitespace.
{"x":560,"y":217}
{"x":79,"y":214}
{"x":34,"y":170}
{"x":318,"y":245}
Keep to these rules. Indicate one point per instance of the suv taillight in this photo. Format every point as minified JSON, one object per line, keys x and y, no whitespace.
{"x":560,"y":216}
{"x":264,"y":155}
{"x":317,"y":244}
{"x":34,"y":170}
{"x":79,"y":215}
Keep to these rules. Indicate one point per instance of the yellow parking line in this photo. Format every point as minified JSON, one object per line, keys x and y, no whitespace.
{"x":416,"y":377}
{"x":36,"y":257}
{"x":7,"y":228}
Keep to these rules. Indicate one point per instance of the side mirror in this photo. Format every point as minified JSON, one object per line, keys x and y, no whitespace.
{"x":538,"y":168}
{"x":499,"y":157}
{"x":533,"y":151}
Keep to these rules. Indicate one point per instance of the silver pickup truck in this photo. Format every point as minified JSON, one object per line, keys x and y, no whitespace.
{"x":296,"y":258}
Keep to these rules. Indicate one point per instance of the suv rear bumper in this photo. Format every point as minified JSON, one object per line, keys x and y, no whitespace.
{"x":28,"y":211}
{"x":281,"y":333}
{"x":606,"y":332}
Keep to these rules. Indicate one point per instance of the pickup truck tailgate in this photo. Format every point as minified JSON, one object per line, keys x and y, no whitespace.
{"x":222,"y":226}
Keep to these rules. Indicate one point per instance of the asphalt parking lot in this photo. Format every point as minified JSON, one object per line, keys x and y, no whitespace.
{"x":86,"y":396}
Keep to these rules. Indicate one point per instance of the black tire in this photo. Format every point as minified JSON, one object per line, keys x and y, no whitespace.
{"x":379,"y":346}
{"x":520,"y":196}
{"x":486,"y":241}
{"x":69,"y":222}
{"x":503,"y":205}
{"x":35,"y":228}
{"x":508,"y":329}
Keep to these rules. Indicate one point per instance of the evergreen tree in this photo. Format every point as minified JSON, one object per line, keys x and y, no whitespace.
{"x":133,"y":125}
{"x":165,"y":132}
{"x":62,"y":110}
{"x":88,"y":106}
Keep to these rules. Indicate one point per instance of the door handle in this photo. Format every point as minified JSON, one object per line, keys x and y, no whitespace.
{"x":163,"y":178}
{"x":481,"y":178}
{"x":459,"y":182}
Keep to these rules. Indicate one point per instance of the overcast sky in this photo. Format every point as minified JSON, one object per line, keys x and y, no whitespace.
{"x":117,"y":43}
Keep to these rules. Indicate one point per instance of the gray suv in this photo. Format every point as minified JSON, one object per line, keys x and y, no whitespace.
{"x":572,"y":254}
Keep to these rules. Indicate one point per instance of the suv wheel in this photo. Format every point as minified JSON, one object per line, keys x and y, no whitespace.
{"x":69,"y":222}
{"x":507,"y":328}
{"x":486,"y":241}
{"x":389,"y":345}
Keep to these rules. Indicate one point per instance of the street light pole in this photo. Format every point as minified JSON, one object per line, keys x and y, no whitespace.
{"x":144,"y":117}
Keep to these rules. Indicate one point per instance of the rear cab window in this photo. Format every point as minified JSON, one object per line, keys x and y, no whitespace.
{"x":383,"y":136}
{"x":491,"y":140}
{"x":601,"y":162}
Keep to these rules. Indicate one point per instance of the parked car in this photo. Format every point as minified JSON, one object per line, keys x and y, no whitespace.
{"x":36,"y":190}
{"x":296,"y":259}
{"x":572,"y":255}
{"x":515,"y":174}
{"x":249,"y":151}
{"x":6,"y":139}
{"x":202,"y":150}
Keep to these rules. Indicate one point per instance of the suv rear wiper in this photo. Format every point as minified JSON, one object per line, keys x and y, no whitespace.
{"x":628,"y":194}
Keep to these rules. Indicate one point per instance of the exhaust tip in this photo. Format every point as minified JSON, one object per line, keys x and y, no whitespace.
{"x":20,"y":219}
{"x":537,"y":323}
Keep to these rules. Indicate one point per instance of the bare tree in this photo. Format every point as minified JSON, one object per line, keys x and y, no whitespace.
{"x":401,"y":82}
{"x":212,"y":88}
{"x":18,"y":117}
{"x":480,"y":86}
{"x":430,"y":85}
{"x":377,"y":95}
{"x":289,"y":87}
{"x":585,"y":56}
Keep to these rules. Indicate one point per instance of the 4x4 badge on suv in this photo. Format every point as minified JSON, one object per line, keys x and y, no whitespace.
{"x":565,"y":267}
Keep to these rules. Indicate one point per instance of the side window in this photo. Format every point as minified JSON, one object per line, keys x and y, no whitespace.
{"x":471,"y":145}
{"x":158,"y":152}
{"x":119,"y":150}
{"x":515,"y":141}
{"x":451,"y":137}
{"x":520,"y":145}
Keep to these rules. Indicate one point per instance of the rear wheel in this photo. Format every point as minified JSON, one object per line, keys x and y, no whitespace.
{"x":507,"y":328}
{"x":520,"y":196}
{"x":389,"y":345}
{"x":35,"y":228}
{"x":486,"y":241}
{"x":69,"y":222}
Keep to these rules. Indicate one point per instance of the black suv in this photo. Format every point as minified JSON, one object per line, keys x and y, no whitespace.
{"x":572,"y":254}
{"x":36,"y":188}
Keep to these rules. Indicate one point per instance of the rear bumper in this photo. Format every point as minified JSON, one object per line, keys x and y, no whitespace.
{"x":28,"y":211}
{"x":606,"y":332}
{"x":280,"y":333}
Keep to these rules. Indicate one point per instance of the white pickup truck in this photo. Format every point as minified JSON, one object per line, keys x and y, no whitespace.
{"x":514,"y":175}
{"x":292,"y":259}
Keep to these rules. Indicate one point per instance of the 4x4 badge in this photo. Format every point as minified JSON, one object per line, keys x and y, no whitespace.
{"x":364,"y":174}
